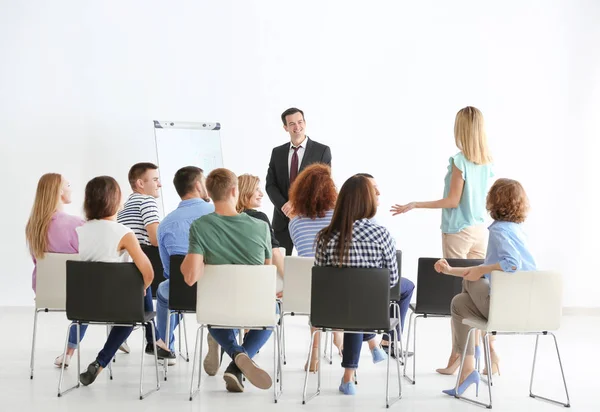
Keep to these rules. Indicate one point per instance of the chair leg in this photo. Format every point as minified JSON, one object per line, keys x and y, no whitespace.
{"x":168,"y":343}
{"x":142,"y":394}
{"x":62,"y":368}
{"x":276,"y":365}
{"x":412,"y":324}
{"x":283,"y":338}
{"x":187,"y":353}
{"x":32,"y":360}
{"x":196,"y":361}
{"x":304,"y":398}
{"x":388,"y":403}
{"x":328,"y":345}
{"x":462,"y":363}
{"x":531,"y":394}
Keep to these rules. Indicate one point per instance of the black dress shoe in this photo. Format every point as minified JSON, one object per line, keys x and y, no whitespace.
{"x":160,"y":352}
{"x":89,"y":376}
{"x":233,"y":378}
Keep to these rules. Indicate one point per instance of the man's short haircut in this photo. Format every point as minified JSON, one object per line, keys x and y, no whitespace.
{"x":367,"y":175}
{"x":291,"y":110}
{"x":137,"y":171}
{"x":185,"y":179}
{"x":219,"y":182}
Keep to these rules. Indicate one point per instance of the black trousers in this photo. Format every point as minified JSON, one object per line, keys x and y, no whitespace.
{"x":284,"y":239}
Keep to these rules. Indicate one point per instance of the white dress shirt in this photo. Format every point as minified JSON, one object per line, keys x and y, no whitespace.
{"x":301,"y":150}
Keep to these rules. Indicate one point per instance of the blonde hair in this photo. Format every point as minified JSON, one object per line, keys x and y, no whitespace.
{"x":247,"y":186}
{"x":47,"y":200}
{"x":470,"y":137}
{"x":219,"y":182}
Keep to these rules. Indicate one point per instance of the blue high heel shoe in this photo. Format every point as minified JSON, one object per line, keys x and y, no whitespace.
{"x":477,"y":357}
{"x":473,"y":378}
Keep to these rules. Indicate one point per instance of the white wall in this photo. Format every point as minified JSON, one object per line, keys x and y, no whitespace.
{"x":380,"y":83}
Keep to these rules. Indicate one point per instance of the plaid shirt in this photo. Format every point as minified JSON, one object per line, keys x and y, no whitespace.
{"x":372,"y":247}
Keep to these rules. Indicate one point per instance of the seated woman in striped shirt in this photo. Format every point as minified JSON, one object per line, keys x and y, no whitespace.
{"x":312,"y":196}
{"x":353,"y":240}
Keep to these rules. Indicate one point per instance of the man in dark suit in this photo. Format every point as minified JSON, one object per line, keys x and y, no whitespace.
{"x":286,"y":162}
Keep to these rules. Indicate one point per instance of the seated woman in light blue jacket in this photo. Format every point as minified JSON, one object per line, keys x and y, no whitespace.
{"x":508,"y":252}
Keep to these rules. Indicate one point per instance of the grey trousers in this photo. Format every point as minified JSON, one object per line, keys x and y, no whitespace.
{"x":473,"y":302}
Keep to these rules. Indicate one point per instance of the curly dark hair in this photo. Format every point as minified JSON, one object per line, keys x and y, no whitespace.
{"x":313,"y":193}
{"x":507,"y":201}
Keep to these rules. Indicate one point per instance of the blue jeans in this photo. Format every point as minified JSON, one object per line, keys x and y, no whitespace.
{"x":253,"y":341}
{"x":162,"y":311}
{"x":73,"y":335}
{"x":116,"y":337}
{"x":406,"y":291}
{"x":352,"y":345}
{"x":149,"y":307}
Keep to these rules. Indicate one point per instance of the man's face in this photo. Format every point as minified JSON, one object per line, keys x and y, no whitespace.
{"x":295,"y":125}
{"x":374,"y":183}
{"x":150,"y":183}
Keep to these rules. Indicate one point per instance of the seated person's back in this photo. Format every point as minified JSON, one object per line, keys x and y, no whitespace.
{"x":238,"y":240}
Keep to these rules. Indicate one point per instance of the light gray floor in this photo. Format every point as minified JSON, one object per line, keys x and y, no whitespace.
{"x":578,"y":340}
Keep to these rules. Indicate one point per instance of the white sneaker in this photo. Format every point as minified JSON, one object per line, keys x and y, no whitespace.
{"x":59,"y":361}
{"x":124,"y":347}
{"x":170,"y":362}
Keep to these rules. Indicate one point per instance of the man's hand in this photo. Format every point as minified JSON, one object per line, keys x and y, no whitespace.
{"x":473,"y":273}
{"x":287,"y":209}
{"x":442,"y":266}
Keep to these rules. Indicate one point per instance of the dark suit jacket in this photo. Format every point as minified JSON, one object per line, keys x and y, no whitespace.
{"x":278,"y":175}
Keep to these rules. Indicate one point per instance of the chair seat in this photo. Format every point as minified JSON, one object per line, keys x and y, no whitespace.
{"x":148,"y":316}
{"x":393,"y":323}
{"x":476,"y":323}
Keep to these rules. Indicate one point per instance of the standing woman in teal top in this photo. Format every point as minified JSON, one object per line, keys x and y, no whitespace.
{"x":463,"y":205}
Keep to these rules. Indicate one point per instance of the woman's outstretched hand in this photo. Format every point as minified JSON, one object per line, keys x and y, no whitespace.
{"x":399,"y":209}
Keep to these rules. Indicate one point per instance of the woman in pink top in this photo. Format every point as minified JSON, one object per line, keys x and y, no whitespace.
{"x":49,"y":229}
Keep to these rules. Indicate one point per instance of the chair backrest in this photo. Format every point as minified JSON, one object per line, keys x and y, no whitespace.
{"x":237,"y":295}
{"x":104,"y":292}
{"x":296,"y":284}
{"x":157,"y":266}
{"x":396,"y":290}
{"x":182,"y":297}
{"x":51,"y":281}
{"x":350,"y":298}
{"x":436,"y":290}
{"x":527,"y":301}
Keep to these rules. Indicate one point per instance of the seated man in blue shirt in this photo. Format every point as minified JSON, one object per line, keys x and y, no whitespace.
{"x":173,"y":239}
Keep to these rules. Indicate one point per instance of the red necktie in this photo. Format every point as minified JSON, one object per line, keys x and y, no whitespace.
{"x":294,"y":165}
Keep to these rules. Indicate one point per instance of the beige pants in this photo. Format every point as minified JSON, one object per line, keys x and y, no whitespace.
{"x":473,"y":302}
{"x":469,"y":243}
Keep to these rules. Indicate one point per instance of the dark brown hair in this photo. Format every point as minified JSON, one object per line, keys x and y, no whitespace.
{"x":357,"y":200}
{"x":137,"y":171}
{"x":185,"y":179}
{"x":218,"y":182}
{"x":291,"y":110}
{"x":507,"y":201}
{"x":313,"y":193}
{"x":102,"y":198}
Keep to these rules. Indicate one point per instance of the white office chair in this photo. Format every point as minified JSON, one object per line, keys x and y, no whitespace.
{"x":51,"y":290}
{"x":521,"y":303}
{"x":296,"y":291}
{"x":237,"y":297}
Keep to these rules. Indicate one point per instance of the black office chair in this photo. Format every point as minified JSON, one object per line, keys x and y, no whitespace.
{"x":395,"y":293}
{"x":157,"y":266}
{"x":112,"y":294}
{"x":352,"y":300}
{"x":435,"y":292}
{"x":182,"y":299}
